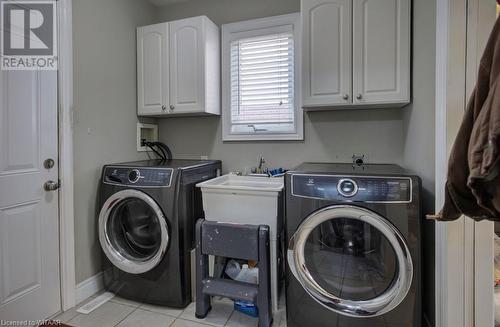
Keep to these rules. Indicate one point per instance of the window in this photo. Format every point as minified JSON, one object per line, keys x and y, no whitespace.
{"x":261,"y":97}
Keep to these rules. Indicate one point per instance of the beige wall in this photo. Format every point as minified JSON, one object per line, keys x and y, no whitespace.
{"x":419,"y":133}
{"x":419,"y":118}
{"x":105,"y":106}
{"x":403,"y":136}
{"x":227,"y":11}
{"x":329,"y":136}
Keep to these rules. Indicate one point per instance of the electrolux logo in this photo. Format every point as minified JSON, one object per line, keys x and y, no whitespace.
{"x":28,"y":35}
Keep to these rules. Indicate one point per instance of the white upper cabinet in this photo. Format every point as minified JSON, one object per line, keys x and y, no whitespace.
{"x":356,"y":53}
{"x":189,"y":73}
{"x":152,"y":68}
{"x":187,"y":65}
{"x":381,"y":47}
{"x":326,"y":52}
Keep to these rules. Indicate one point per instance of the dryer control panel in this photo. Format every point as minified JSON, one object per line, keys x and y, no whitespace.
{"x":139,"y":177}
{"x":353,"y":188}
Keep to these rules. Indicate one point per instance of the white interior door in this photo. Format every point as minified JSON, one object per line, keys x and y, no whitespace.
{"x":187,"y":82}
{"x":29,"y":235}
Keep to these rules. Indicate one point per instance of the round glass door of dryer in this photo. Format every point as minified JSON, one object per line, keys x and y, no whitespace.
{"x":351,"y":261}
{"x":132,"y":231}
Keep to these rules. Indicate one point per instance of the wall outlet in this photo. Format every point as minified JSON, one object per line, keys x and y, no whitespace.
{"x":148,"y":132}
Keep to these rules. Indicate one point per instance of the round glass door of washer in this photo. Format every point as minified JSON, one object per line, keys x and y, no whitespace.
{"x":351,"y":260}
{"x":133,"y":231}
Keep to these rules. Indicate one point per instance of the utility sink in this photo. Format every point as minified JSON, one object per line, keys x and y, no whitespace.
{"x":249,"y":200}
{"x":233,"y":182}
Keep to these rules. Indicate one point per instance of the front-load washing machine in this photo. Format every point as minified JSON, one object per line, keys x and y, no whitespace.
{"x":148,"y":210}
{"x":354,"y":246}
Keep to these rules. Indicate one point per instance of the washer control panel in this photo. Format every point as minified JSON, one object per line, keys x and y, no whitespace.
{"x":140,"y":177}
{"x":353,"y":188}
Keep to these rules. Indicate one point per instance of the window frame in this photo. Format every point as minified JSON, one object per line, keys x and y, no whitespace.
{"x":253,"y":28}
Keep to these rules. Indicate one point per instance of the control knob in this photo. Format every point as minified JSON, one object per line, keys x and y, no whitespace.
{"x":347,"y":187}
{"x":133,"y":176}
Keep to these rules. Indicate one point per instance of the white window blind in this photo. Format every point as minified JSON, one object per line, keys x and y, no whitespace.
{"x":262,"y":84}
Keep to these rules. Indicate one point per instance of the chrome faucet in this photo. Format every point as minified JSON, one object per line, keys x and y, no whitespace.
{"x":262,"y":166}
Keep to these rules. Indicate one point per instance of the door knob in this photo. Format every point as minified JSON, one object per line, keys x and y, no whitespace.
{"x":50,"y":186}
{"x":345,"y":97}
{"x":359,"y":96}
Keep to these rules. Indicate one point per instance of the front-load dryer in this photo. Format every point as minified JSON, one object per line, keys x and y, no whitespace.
{"x":148,"y":210}
{"x":354,"y":239}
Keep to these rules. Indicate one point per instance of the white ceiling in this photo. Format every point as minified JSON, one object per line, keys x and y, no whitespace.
{"x":165,"y":2}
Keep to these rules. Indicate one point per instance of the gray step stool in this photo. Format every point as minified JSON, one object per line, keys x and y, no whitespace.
{"x":246,"y":242}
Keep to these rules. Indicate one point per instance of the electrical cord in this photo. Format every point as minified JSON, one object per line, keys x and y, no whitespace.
{"x":160,"y":155}
{"x":160,"y":149}
{"x":165,"y":149}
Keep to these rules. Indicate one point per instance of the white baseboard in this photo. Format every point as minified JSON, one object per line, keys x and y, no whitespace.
{"x":89,"y":287}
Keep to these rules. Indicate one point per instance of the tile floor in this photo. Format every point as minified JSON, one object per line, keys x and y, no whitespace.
{"x":121,"y":313}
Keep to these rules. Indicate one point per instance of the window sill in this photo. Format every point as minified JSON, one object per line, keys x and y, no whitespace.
{"x":262,"y":137}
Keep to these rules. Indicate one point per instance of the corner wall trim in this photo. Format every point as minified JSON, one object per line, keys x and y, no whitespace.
{"x":89,"y":287}
{"x":66,"y":201}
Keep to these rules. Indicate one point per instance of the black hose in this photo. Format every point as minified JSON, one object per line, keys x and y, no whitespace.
{"x":161,"y":155}
{"x":165,"y":149}
{"x":166,"y":154}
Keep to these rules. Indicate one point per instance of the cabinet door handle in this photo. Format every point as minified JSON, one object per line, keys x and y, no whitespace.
{"x":164,"y":107}
{"x":345,"y":97}
{"x":359,"y":96}
{"x":172,"y":107}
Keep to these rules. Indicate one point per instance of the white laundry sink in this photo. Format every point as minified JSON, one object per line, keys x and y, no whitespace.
{"x":248,"y":200}
{"x":233,"y":182}
{"x":243,"y":199}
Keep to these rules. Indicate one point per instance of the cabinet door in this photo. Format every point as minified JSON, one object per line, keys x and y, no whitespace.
{"x":327,"y":54}
{"x":381,"y":51}
{"x":187,"y":80}
{"x":152,"y":69}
